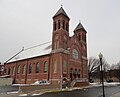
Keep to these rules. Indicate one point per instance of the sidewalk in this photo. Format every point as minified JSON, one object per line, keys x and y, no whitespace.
{"x":116,"y":95}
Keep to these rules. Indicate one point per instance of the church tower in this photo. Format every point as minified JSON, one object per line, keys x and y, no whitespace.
{"x":60,"y":33}
{"x":80,"y":33}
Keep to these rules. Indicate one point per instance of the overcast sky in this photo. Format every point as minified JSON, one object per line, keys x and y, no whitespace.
{"x":29,"y":22}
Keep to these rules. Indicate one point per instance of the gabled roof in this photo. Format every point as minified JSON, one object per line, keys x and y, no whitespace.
{"x":61,"y":11}
{"x":35,"y":51}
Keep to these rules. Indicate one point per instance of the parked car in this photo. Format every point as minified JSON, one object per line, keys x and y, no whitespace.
{"x":109,"y":80}
{"x":41,"y":82}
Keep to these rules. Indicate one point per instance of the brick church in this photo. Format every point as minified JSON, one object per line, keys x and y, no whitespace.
{"x":64,"y":58}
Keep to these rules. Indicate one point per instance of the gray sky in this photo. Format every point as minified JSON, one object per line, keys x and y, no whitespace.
{"x":29,"y":22}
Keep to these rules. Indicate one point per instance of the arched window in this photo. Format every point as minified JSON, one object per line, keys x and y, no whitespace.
{"x":71,"y":73}
{"x":84,"y":37}
{"x":37,"y":67}
{"x":63,"y":26}
{"x":18,"y":69}
{"x":24,"y":69}
{"x":71,"y":70}
{"x":30,"y":68}
{"x":75,"y":54}
{"x":9,"y":71}
{"x":75,"y":73}
{"x":67,"y":28}
{"x":78,"y":73}
{"x":55,"y":66}
{"x":13,"y":70}
{"x":45,"y":67}
{"x":79,"y":37}
{"x":58,"y":24}
{"x":65,"y":66}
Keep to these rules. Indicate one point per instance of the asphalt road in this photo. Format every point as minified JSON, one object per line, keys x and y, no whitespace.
{"x":5,"y":89}
{"x":91,"y":92}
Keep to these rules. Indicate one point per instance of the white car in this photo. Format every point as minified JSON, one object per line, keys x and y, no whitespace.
{"x":41,"y":82}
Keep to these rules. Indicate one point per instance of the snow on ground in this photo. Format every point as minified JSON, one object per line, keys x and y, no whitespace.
{"x":20,"y":84}
{"x":21,"y":95}
{"x":12,"y":92}
{"x":36,"y":94}
{"x":105,"y":84}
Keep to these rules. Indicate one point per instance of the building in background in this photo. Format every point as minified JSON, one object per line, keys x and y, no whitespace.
{"x":64,"y":58}
{"x":1,"y":69}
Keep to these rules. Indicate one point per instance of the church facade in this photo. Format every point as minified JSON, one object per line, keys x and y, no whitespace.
{"x":64,"y":58}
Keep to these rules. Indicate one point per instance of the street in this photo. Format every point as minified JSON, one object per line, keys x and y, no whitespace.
{"x":5,"y":89}
{"x":95,"y":91}
{"x":91,"y":92}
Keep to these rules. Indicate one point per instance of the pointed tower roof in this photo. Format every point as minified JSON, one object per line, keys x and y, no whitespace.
{"x":61,"y":11}
{"x":79,"y":26}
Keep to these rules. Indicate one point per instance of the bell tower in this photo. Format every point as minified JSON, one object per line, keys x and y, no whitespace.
{"x":80,"y":32}
{"x":60,"y":35}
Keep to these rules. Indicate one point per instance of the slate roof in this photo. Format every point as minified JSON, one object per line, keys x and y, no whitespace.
{"x":61,"y":11}
{"x":79,"y":26}
{"x":34,"y":51}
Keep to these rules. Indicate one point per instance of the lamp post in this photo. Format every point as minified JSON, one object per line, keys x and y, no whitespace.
{"x":100,"y":57}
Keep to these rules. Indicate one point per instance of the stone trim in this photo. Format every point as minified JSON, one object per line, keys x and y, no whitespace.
{"x":85,"y":58}
{"x":60,"y":50}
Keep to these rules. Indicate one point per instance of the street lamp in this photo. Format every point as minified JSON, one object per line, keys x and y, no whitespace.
{"x":100,"y":57}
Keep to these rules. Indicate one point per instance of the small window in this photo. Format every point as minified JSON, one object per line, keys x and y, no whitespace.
{"x":65,"y":66}
{"x":30,"y":69}
{"x":71,"y":70}
{"x":79,"y":37}
{"x":79,"y":73}
{"x":13,"y":70}
{"x":37,"y":68}
{"x":59,"y":24}
{"x":9,"y":71}
{"x":63,"y":26}
{"x":67,"y":28}
{"x":18,"y":69}
{"x":45,"y":67}
{"x":24,"y":69}
{"x":83,"y":37}
{"x":75,"y":71}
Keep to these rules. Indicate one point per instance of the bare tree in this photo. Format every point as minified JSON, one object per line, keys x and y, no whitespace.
{"x":94,"y":66}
